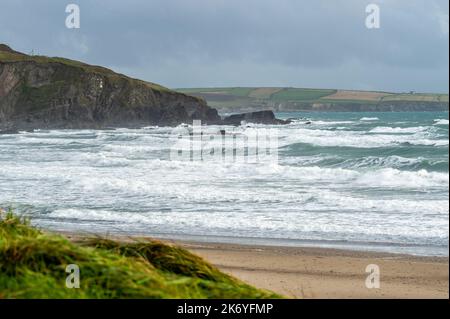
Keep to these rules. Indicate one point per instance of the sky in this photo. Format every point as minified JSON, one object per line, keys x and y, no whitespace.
{"x":219,"y":43}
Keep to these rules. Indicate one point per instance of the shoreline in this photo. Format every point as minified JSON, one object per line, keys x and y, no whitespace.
{"x":313,"y":272}
{"x":357,"y":247}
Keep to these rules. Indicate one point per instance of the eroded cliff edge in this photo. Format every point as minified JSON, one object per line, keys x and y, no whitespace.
{"x":42,"y":92}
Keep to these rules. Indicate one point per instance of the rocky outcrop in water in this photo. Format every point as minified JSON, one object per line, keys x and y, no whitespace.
{"x":260,"y":117}
{"x":42,"y":92}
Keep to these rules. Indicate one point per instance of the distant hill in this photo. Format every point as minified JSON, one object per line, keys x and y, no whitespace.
{"x":244,"y":99}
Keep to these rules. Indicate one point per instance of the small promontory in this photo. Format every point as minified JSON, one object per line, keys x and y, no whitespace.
{"x":39,"y":92}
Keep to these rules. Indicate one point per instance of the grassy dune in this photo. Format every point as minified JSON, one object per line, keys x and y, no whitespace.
{"x":33,"y":265}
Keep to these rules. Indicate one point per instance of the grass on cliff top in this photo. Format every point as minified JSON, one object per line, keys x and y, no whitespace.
{"x":33,"y":265}
{"x":13,"y":56}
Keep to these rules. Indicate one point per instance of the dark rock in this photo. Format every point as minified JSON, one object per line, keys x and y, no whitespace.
{"x":261,"y":117}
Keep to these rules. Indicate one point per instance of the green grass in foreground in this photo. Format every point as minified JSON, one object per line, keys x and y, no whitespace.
{"x":33,"y":264}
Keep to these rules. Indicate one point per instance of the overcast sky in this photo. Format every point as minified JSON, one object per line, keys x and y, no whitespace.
{"x":206,"y":43}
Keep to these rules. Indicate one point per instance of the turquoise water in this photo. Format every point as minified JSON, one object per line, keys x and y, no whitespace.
{"x":405,"y":141}
{"x":370,"y":181}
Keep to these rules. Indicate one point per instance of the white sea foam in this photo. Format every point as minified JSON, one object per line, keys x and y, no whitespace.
{"x":369,"y":119}
{"x":393,"y":178}
{"x":303,"y":223}
{"x":441,"y":122}
{"x":356,"y":139}
{"x":123,"y":179}
{"x":332,"y":122}
{"x":389,"y":161}
{"x":402,"y":130}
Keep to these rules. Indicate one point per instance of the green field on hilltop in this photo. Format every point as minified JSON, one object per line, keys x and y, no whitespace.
{"x":292,"y":94}
{"x":417,"y":97}
{"x":236,"y":91}
{"x":279,"y":98}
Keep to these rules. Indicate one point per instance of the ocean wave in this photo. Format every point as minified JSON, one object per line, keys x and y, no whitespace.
{"x":429,"y":142}
{"x":385,"y":177}
{"x":369,"y":119}
{"x":387,"y":129}
{"x":386,"y":217}
{"x":391,"y":178}
{"x":124,"y":179}
{"x":155,"y":177}
{"x":357,"y":139}
{"x":177,"y":178}
{"x":393,"y":161}
{"x":331,"y":122}
{"x":441,"y":122}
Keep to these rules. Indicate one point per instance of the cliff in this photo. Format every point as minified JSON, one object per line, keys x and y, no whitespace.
{"x":43,"y":92}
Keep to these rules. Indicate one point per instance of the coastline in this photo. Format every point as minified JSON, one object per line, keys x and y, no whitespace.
{"x":320,"y":273}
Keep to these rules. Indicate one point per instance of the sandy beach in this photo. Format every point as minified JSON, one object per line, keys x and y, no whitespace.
{"x":328,"y":273}
{"x":319,"y":273}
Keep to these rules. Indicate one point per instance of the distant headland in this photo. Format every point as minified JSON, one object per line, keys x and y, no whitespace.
{"x":284,"y":99}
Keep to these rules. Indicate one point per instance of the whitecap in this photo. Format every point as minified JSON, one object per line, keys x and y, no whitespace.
{"x":441,"y":122}
{"x":394,"y":178}
{"x":331,"y":122}
{"x":387,"y":129}
{"x":357,"y":139}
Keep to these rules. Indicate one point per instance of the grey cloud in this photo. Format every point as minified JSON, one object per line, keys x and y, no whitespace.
{"x":182,"y":43}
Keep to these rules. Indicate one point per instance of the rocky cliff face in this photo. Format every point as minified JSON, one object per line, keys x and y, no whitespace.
{"x":42,"y":92}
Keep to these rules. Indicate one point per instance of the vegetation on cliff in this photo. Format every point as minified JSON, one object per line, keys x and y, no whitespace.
{"x":33,"y":265}
{"x":52,"y":92}
{"x":9,"y":55}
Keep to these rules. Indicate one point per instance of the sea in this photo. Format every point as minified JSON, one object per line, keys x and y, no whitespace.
{"x":359,"y":181}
